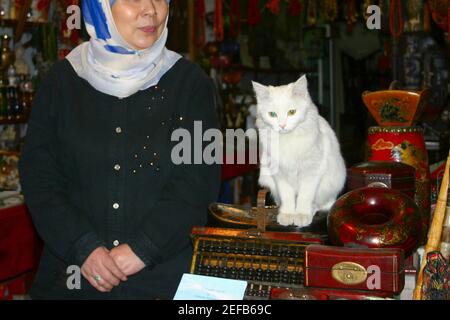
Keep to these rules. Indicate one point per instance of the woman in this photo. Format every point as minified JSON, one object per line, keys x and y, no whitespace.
{"x":96,"y":169}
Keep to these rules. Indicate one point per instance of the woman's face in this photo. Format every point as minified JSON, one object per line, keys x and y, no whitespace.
{"x":140,"y":22}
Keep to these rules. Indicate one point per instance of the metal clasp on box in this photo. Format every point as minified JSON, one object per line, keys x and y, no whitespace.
{"x":349,"y":273}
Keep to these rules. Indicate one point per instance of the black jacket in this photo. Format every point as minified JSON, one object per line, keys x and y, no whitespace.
{"x":97,"y":171}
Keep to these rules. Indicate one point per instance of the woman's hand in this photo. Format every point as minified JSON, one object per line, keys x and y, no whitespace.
{"x":101,"y":271}
{"x":128,"y":262}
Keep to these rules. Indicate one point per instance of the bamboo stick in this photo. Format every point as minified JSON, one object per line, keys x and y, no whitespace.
{"x":435,"y":232}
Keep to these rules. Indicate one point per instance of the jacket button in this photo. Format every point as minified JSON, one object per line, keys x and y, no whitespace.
{"x":116,"y":243}
{"x":117,"y":167}
{"x":116,"y":206}
{"x":118,"y":130}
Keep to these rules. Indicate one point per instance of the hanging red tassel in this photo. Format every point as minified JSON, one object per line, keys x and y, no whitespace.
{"x":274,"y":6}
{"x":199,"y":30}
{"x":218,"y":21}
{"x":253,"y":13}
{"x":235,"y":19}
{"x":396,"y":18}
{"x":351,"y":15}
{"x":295,"y":8}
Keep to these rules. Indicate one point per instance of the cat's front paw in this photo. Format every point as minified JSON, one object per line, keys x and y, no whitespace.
{"x":286,"y":219}
{"x":303,"y":220}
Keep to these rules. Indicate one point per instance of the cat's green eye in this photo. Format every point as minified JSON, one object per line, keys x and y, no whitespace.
{"x":292,"y":112}
{"x":273,"y":114}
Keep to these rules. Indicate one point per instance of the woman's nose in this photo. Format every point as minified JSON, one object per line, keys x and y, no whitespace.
{"x":149,"y":8}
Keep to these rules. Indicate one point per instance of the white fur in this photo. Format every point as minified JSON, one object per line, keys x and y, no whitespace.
{"x":309,"y":170}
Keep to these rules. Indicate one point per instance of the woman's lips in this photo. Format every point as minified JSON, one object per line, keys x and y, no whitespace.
{"x":149,"y":29}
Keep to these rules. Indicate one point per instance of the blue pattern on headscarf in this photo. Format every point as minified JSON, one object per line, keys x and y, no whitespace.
{"x":118,"y":49}
{"x":111,"y":2}
{"x":94,"y":15}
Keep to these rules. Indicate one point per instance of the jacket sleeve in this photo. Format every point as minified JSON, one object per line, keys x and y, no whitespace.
{"x":185,"y":198}
{"x":62,"y":225}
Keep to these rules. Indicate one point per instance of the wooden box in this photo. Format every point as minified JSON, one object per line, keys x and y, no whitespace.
{"x":394,"y":175}
{"x":354,"y":268}
{"x":264,"y":259}
{"x":326,"y":294}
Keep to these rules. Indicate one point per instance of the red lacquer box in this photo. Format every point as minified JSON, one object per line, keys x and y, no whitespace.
{"x":395,"y":175}
{"x":325,"y":294}
{"x":376,"y":270}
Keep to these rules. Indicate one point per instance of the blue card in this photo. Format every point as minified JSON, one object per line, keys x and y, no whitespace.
{"x":196,"y":287}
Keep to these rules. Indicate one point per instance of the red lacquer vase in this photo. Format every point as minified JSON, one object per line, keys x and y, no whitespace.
{"x":406,"y":145}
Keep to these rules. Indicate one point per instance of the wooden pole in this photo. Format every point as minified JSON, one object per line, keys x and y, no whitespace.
{"x":435,"y":232}
{"x":191,"y":29}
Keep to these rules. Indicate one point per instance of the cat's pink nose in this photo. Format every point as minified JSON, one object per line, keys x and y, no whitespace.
{"x":282,"y":126}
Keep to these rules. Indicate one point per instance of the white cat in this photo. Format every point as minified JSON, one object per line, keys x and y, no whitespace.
{"x":310,"y":171}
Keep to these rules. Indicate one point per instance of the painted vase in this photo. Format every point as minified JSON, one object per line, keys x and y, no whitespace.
{"x":396,"y":107}
{"x":406,"y":145}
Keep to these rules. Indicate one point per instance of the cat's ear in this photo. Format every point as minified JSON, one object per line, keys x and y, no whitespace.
{"x":261,"y":91}
{"x":300,"y":86}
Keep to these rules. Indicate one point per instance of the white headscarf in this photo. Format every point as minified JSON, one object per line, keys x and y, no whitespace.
{"x":109,"y":63}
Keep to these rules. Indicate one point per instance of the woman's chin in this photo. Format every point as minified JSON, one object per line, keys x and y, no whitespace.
{"x":142,"y":45}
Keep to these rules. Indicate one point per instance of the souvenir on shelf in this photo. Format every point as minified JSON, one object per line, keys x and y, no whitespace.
{"x":265,"y":260}
{"x":7,"y":55}
{"x":439,"y":12}
{"x":436,"y":278}
{"x":263,"y":216}
{"x":406,"y":145}
{"x":445,"y":238}
{"x":355,"y":268}
{"x":39,"y":11}
{"x":376,"y":218}
{"x":432,"y":259}
{"x":396,"y":107}
{"x":5,"y":9}
{"x":9,"y":172}
{"x":414,"y":13}
{"x":326,"y":294}
{"x":384,"y":174}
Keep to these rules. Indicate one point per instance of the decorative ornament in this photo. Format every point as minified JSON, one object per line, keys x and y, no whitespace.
{"x":330,"y":10}
{"x":295,"y":8}
{"x":5,"y":9}
{"x":199,"y":21}
{"x":351,"y":15}
{"x":366,"y":4}
{"x":396,"y":18}
{"x":312,"y":13}
{"x":440,"y":12}
{"x":218,"y":21}
{"x":235,"y":19}
{"x":414,"y":13}
{"x":274,"y":6}
{"x":253,"y":13}
{"x":39,"y":10}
